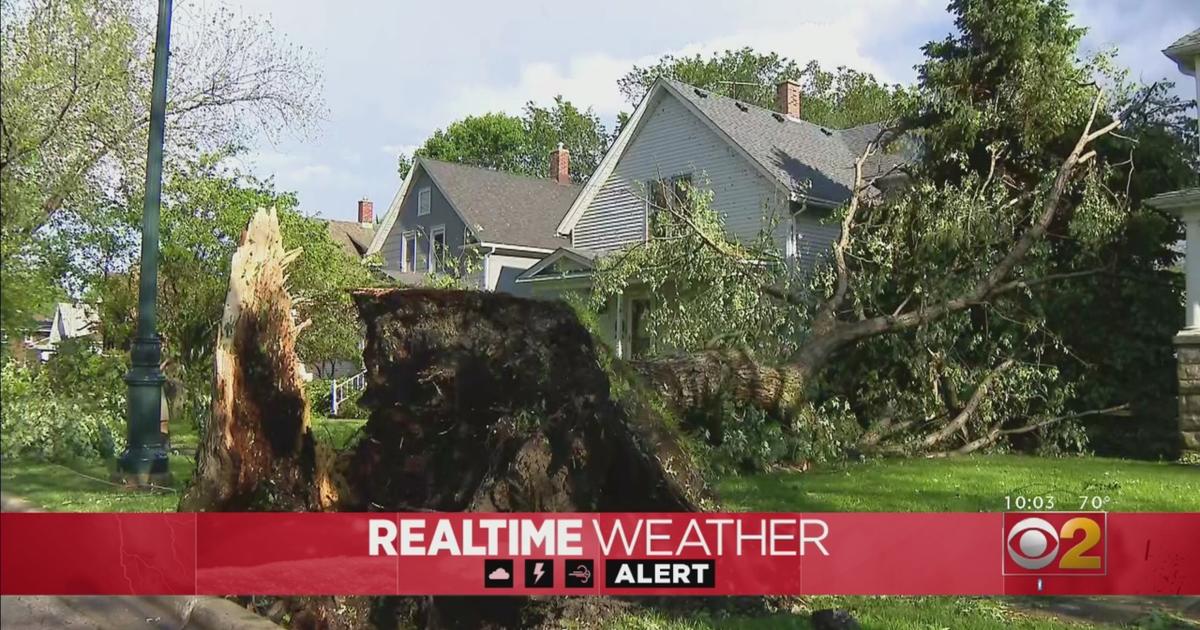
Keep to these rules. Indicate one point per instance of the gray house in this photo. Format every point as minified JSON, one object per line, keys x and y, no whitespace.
{"x":482,"y":225}
{"x":767,"y":171}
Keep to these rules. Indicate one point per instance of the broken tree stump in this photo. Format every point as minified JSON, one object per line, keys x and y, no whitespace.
{"x":258,"y":451}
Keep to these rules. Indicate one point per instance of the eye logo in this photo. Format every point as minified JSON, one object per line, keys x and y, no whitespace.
{"x":1032,"y":543}
{"x":1054,"y":543}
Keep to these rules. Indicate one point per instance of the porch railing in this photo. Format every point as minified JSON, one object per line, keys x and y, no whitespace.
{"x":339,"y":391}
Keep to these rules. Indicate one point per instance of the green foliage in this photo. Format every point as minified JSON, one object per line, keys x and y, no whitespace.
{"x":206,"y":208}
{"x":841,"y":99}
{"x":50,"y":413}
{"x":998,"y":105}
{"x":699,"y":296}
{"x":744,"y":439}
{"x":1002,"y":100}
{"x":74,"y":100}
{"x":519,"y":144}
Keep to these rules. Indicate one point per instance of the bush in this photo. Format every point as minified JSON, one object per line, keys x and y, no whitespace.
{"x":40,"y":423}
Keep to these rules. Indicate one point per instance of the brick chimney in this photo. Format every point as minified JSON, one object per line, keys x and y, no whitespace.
{"x":560,"y":165}
{"x":366,"y":212}
{"x":787,"y":98}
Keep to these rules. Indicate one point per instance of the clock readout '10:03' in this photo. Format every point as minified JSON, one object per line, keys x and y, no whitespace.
{"x":1050,"y":502}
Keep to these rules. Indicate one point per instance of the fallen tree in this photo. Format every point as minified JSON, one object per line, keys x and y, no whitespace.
{"x":872,"y":288}
{"x":480,"y":402}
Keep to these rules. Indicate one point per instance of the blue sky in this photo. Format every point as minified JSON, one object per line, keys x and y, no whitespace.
{"x":396,"y":70}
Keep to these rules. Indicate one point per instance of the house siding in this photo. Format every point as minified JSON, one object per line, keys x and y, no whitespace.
{"x":674,"y":141}
{"x":502,"y":272}
{"x":817,"y":236}
{"x":440,"y":213}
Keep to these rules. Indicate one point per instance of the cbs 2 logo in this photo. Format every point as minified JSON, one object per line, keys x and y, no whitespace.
{"x":1034,"y":543}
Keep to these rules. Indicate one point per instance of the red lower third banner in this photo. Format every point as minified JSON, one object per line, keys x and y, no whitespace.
{"x":1047,"y":553}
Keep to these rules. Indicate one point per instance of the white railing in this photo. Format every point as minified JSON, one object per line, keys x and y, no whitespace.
{"x":339,"y":391}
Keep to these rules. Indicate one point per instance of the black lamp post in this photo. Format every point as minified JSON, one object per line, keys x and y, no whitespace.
{"x":145,"y":458}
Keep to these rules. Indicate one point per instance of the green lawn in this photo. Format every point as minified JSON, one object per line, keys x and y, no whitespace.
{"x":878,"y":613}
{"x":966,"y":484}
{"x":85,"y":486}
{"x":969,"y":484}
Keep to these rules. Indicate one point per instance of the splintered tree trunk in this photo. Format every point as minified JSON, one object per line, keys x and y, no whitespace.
{"x":257,"y":451}
{"x":479,"y":402}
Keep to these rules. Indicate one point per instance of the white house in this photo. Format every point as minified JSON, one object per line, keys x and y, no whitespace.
{"x":766,"y":170}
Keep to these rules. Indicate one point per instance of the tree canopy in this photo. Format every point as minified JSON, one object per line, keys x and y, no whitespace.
{"x":74,"y":109}
{"x":519,"y":144}
{"x":842,"y":98}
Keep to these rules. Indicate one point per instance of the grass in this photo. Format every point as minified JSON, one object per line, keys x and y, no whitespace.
{"x":85,"y":487}
{"x":875,"y":613}
{"x":969,"y":484}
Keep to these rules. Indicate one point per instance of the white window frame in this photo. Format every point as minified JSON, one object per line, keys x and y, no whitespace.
{"x":792,"y":247}
{"x":433,"y":233}
{"x":424,"y":201}
{"x":409,"y":235}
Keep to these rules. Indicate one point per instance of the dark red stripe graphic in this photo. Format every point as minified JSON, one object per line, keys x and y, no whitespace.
{"x":681,"y":554}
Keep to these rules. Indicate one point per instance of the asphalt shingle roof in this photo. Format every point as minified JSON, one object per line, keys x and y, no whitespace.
{"x":351,"y":235}
{"x":796,"y":151}
{"x":1189,"y":41}
{"x":502,"y":207}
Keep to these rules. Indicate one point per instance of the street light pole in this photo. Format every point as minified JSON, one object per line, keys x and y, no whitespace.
{"x":145,"y":458}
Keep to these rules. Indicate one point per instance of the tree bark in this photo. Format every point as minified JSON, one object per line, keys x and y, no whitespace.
{"x":693,"y":381}
{"x":258,"y":451}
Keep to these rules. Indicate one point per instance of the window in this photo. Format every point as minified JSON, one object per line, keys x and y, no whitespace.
{"x":423,"y":197}
{"x":664,"y":194}
{"x":437,"y":249}
{"x":410,"y":251}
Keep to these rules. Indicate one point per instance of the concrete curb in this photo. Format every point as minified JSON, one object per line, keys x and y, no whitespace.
{"x":205,"y":613}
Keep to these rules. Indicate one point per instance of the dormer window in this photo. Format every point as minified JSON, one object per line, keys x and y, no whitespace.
{"x":423,"y":197}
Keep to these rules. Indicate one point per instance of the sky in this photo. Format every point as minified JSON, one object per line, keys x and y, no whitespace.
{"x":394,"y":71}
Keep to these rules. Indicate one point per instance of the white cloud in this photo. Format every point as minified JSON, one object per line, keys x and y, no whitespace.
{"x":590,"y":79}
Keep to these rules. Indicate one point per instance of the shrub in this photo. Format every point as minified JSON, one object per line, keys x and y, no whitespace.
{"x":318,"y":394}
{"x":741,"y":438}
{"x":40,"y":423}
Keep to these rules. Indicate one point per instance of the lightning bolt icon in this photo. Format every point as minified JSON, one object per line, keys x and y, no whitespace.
{"x":538,"y":572}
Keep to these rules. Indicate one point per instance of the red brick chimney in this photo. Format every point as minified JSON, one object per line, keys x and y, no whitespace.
{"x":787,"y":98}
{"x":366,"y":211}
{"x":560,"y":165}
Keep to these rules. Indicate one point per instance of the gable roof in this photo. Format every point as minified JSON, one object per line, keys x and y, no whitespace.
{"x":352,"y":236}
{"x":1184,"y":51}
{"x":499,"y":208}
{"x":584,"y":259}
{"x":805,"y":160}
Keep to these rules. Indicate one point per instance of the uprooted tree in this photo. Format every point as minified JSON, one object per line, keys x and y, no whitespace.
{"x":486,"y":402}
{"x":466,"y":415}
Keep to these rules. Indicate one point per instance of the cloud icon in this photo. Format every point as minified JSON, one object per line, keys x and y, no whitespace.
{"x":499,"y":574}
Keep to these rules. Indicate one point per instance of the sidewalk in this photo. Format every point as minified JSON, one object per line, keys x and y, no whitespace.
{"x":87,"y":613}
